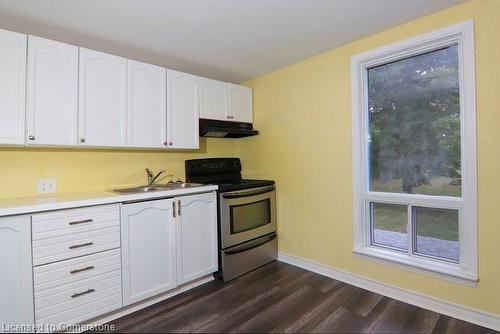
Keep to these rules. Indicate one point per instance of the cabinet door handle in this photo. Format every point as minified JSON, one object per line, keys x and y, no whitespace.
{"x":77,"y":222}
{"x":31,"y":137}
{"x":76,"y":271}
{"x":79,"y":294}
{"x":179,"y":207}
{"x":173,"y":211}
{"x":81,"y":245}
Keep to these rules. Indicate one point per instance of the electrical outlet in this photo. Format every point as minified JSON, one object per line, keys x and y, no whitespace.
{"x":47,"y":186}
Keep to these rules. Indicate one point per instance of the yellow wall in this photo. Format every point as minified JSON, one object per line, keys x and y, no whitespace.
{"x":304,"y":114}
{"x":93,"y":170}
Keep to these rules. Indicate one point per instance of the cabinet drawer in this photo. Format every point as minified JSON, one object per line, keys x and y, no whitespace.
{"x":74,"y":245}
{"x":70,"y":271}
{"x":64,"y":222}
{"x":79,"y":301}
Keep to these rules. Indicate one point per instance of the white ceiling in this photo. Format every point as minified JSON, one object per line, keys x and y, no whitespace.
{"x":231,"y":40}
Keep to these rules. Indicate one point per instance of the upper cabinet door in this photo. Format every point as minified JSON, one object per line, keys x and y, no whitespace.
{"x":146,"y":105}
{"x":102,"y":99}
{"x":240,"y":103}
{"x":214,"y":100}
{"x":52,"y":114}
{"x":16,"y":274}
{"x":182,"y":110}
{"x":12,"y":87}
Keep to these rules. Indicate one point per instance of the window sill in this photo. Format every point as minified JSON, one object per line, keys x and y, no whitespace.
{"x":435,"y":268}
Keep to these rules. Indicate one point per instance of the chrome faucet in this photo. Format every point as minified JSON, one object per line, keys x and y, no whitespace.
{"x":151,"y":178}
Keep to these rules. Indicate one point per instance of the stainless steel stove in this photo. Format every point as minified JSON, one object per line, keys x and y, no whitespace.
{"x":246,"y":215}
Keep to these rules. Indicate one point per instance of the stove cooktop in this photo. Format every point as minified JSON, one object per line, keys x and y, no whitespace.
{"x":224,"y":172}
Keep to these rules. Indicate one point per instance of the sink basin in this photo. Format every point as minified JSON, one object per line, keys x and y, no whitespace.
{"x":155,"y":187}
{"x":181,"y":185}
{"x":140,"y":189}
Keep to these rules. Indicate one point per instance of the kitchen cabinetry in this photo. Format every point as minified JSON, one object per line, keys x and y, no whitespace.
{"x":214,"y":100}
{"x":68,"y":265}
{"x":225,"y":101}
{"x":79,"y":289}
{"x":102,"y":99}
{"x":12,"y":87}
{"x":148,"y":249}
{"x":52,"y":108}
{"x":146,"y":105}
{"x":166,"y":243}
{"x":196,"y":236}
{"x":182,"y":110}
{"x":240,"y":103}
{"x":76,"y":258}
{"x":65,"y":234}
{"x":16,"y":275}
{"x":81,"y":97}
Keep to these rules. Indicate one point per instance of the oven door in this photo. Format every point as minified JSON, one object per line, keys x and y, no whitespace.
{"x":247,"y":214}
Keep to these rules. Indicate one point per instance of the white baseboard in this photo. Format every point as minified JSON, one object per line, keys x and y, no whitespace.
{"x":461,"y":312}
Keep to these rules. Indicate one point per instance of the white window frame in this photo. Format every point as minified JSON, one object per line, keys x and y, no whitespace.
{"x":461,"y":34}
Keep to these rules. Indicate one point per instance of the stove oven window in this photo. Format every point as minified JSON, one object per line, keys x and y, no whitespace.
{"x":249,"y":216}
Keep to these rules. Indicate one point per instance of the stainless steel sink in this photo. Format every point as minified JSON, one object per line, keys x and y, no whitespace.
{"x":182,"y":185}
{"x":155,"y":187}
{"x":140,"y":189}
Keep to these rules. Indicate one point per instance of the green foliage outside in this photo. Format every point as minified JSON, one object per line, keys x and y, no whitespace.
{"x":414,"y":123}
{"x":414,"y":127}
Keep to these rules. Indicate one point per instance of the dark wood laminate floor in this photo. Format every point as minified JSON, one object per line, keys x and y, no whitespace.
{"x":283,"y":298}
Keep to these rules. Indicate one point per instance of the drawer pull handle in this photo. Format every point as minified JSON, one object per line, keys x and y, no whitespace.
{"x":81,"y":245}
{"x":79,"y":294}
{"x":76,"y":271}
{"x":81,"y":222}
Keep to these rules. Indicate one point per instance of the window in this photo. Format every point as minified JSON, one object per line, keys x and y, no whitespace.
{"x":414,"y":152}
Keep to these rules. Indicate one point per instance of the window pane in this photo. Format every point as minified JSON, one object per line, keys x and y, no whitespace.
{"x":414,"y":125}
{"x":388,"y":224}
{"x":437,"y":232}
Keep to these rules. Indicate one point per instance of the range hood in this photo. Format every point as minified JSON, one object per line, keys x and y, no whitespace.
{"x":225,"y":129}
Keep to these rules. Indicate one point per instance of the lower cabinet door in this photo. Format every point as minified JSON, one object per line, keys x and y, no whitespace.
{"x":148,"y":249}
{"x":196,"y":236}
{"x":16,"y":273}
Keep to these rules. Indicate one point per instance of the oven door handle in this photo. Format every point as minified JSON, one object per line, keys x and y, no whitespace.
{"x":241,"y":194}
{"x":251,"y":245}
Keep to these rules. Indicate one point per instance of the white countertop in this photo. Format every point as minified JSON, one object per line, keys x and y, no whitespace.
{"x":26,"y":205}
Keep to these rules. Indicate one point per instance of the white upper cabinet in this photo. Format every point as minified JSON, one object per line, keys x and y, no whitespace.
{"x":148,"y":249}
{"x":52,"y":109}
{"x":102,"y":99}
{"x":225,"y":101}
{"x":146,"y":105}
{"x":12,"y":87}
{"x":214,"y":100}
{"x":56,"y":94}
{"x":182,"y":110}
{"x":240,"y":103}
{"x":16,"y":274}
{"x":196,"y":236}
